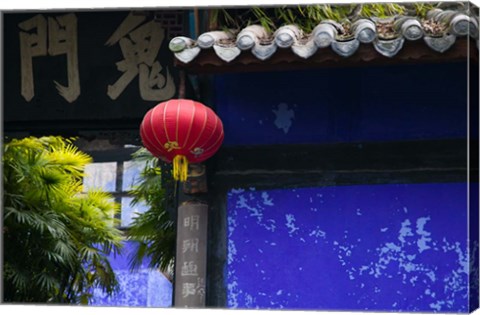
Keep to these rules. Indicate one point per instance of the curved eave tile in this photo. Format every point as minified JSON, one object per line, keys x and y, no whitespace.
{"x":250,"y":36}
{"x":364,"y":31}
{"x":440,"y":44}
{"x":389,"y":48}
{"x":324,"y":34}
{"x":412,"y":29}
{"x":286,"y":36}
{"x":347,"y":48}
{"x":179,"y":43}
{"x":305,"y":50}
{"x":264,"y":51}
{"x":208,"y":39}
{"x":188,"y":54}
{"x":460,"y":25}
{"x":227,"y":53}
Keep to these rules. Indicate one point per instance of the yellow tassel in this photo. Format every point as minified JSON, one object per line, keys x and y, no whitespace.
{"x":180,"y":168}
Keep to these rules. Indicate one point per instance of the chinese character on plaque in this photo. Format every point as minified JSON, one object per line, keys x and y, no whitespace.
{"x":140,"y":43}
{"x":189,"y":269}
{"x":55,"y":36}
{"x":192,"y":222}
{"x":190,"y":245}
{"x":188,"y":288}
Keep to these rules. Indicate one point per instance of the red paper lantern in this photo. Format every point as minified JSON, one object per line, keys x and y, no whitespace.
{"x":181,"y":131}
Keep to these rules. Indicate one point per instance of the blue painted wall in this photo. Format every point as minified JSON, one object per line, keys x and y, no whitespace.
{"x":367,"y":247}
{"x":144,"y":287}
{"x":404,"y":102}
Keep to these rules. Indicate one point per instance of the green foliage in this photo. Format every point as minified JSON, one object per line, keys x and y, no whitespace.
{"x":56,"y":237}
{"x":153,"y":230}
{"x":421,"y":8}
{"x":382,"y":10}
{"x":307,"y":17}
{"x":263,"y":18}
{"x":222,"y":17}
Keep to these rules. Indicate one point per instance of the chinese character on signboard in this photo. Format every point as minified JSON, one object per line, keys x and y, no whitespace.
{"x":190,"y":245}
{"x":191,"y":222}
{"x":57,"y":36}
{"x":189,"y":269}
{"x":188,"y":288}
{"x":140,"y":45}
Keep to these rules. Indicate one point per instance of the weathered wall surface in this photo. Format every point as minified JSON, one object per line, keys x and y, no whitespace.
{"x":364,"y":247}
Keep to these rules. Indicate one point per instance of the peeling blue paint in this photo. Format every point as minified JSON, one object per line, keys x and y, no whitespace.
{"x":335,"y":259}
{"x":283,"y":117}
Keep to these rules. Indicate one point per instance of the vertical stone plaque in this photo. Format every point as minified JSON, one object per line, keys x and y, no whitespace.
{"x":191,"y":259}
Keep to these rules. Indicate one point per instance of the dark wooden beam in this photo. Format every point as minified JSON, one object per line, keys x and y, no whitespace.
{"x":341,"y":164}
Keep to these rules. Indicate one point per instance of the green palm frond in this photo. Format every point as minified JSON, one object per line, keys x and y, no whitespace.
{"x":19,"y":278}
{"x":152,"y":231}
{"x":46,"y":281}
{"x":51,"y":227}
{"x":70,"y":159}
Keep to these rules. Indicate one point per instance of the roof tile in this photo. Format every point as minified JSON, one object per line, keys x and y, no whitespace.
{"x":387,"y":40}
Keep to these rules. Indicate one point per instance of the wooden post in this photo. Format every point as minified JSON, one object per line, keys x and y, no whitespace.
{"x":191,"y":258}
{"x":191,"y":247}
{"x":197,"y":180}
